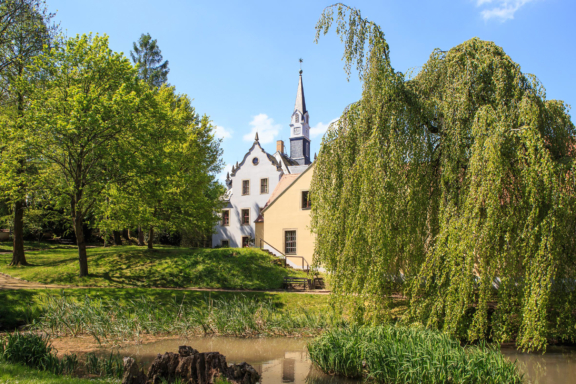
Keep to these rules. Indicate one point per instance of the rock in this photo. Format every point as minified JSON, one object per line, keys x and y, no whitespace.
{"x":132,"y":372}
{"x":190,"y":367}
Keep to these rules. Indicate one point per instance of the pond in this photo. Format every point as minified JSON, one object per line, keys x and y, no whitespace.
{"x":285,"y":360}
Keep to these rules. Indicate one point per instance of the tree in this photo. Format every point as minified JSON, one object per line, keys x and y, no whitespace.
{"x":454,"y":187}
{"x":25,"y":31}
{"x":88,"y":119}
{"x":148,"y":58}
{"x":177,"y":188}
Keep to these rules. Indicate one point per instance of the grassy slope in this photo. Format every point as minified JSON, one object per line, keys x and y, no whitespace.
{"x":20,"y":307}
{"x":132,"y":266}
{"x":14,"y":373}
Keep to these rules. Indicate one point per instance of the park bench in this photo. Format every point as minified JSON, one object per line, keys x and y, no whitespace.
{"x":292,"y":282}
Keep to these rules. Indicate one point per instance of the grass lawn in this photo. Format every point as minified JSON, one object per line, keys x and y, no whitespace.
{"x":15,"y":373}
{"x":19,"y":307}
{"x":132,"y":266}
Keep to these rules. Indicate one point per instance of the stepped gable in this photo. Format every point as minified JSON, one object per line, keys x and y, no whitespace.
{"x":256,"y":143}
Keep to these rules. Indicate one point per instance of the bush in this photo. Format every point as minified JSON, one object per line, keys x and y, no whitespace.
{"x":35,"y":351}
{"x":388,"y":354}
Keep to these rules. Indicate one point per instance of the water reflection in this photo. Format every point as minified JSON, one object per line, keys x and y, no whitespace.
{"x":285,"y":360}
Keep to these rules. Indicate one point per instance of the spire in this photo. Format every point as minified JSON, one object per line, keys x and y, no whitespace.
{"x":300,"y":102}
{"x":256,"y":138}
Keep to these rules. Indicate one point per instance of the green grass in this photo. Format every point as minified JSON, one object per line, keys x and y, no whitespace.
{"x":132,"y":266}
{"x":16,"y":373}
{"x":389,"y":354}
{"x":20,"y":307}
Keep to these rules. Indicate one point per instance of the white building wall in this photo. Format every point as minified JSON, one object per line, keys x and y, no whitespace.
{"x":255,"y":201}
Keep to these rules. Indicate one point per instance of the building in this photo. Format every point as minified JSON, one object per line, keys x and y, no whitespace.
{"x":251,"y":182}
{"x":283,"y":227}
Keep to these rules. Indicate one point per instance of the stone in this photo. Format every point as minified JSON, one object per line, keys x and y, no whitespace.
{"x":190,"y":367}
{"x":132,"y":372}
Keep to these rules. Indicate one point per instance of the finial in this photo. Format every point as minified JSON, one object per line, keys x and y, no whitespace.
{"x":301,"y":61}
{"x":233,"y":169}
{"x":315,"y":156}
{"x":256,"y":138}
{"x":237,"y":166}
{"x":228,"y":176}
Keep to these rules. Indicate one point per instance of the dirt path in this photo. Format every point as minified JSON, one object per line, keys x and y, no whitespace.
{"x":9,"y":282}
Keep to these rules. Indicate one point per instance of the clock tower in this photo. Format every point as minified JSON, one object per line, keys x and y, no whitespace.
{"x":300,"y":129}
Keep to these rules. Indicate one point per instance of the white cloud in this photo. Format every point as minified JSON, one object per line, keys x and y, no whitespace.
{"x":500,"y":9}
{"x":265,"y":127}
{"x":319,"y":129}
{"x":222,"y":175}
{"x":223,"y":133}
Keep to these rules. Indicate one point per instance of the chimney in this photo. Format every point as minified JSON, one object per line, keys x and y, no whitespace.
{"x":280,"y":146}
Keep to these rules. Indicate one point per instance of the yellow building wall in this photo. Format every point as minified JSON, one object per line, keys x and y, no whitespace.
{"x":286,"y":213}
{"x":259,"y":229}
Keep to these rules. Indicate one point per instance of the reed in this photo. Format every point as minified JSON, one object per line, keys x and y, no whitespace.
{"x":112,"y":321}
{"x":112,"y":366}
{"x":35,"y":351}
{"x":388,"y":354}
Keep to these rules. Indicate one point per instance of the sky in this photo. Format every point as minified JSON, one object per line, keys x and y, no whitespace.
{"x":239,"y":60}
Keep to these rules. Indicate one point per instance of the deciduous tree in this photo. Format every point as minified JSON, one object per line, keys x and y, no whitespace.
{"x":88,"y":119}
{"x":454,"y":187}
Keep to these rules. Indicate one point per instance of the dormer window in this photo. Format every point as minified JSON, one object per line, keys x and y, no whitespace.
{"x":297,"y":118}
{"x":297,"y":131}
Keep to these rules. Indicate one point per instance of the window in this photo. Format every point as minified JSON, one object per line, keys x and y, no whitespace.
{"x":306,"y":203}
{"x":225,"y":244}
{"x":225,"y":218}
{"x":290,"y":242}
{"x":245,"y":187}
{"x":297,"y":118}
{"x":263,"y":186}
{"x":255,"y":161}
{"x":297,"y":130}
{"x":246,"y":217}
{"x":245,"y":241}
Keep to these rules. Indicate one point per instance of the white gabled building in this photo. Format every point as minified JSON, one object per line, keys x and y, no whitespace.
{"x":251,"y":182}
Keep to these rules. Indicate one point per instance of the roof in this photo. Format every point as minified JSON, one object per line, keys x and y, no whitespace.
{"x":284,"y":183}
{"x":271,"y":158}
{"x":300,"y":101}
{"x":280,"y":189}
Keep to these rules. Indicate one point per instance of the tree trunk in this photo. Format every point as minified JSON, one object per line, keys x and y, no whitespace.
{"x":151,"y":238}
{"x":18,"y":256}
{"x":125,"y":235}
{"x":140,"y":236}
{"x":117,"y":238}
{"x":79,"y":230}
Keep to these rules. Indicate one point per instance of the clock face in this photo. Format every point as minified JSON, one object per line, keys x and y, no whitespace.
{"x":255,"y":161}
{"x":297,"y":131}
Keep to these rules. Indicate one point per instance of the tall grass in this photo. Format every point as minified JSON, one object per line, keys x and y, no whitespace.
{"x":35,"y":351}
{"x":111,"y":321}
{"x":388,"y":354}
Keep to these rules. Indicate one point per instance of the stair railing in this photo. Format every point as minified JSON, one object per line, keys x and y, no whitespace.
{"x":307,"y":269}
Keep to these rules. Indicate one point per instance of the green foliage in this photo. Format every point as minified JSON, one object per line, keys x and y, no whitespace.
{"x":16,"y":373}
{"x":180,"y":190}
{"x":112,"y":366}
{"x":148,"y":59}
{"x":388,"y":354}
{"x":132,"y":266}
{"x":238,"y":316}
{"x":447,"y":185}
{"x":35,"y":351}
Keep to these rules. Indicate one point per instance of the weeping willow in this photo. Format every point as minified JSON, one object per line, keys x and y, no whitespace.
{"x":454,"y":187}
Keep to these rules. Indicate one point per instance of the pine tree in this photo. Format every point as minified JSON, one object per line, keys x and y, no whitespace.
{"x":148,"y":57}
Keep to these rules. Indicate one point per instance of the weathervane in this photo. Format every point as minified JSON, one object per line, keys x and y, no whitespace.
{"x":301,"y":60}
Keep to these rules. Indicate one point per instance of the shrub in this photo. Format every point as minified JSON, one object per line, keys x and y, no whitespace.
{"x":388,"y":354}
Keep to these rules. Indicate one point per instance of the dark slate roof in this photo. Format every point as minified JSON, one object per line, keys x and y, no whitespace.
{"x":300,"y":101}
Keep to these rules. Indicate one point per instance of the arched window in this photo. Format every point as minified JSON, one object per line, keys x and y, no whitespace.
{"x":297,"y":118}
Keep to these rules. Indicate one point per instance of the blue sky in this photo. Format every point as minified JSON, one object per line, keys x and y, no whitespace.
{"x":238,"y":61}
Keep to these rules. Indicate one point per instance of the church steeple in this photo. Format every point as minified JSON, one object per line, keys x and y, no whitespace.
{"x":299,"y":128}
{"x":300,"y":100}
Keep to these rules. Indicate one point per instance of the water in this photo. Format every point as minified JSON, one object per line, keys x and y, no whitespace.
{"x":285,"y":360}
